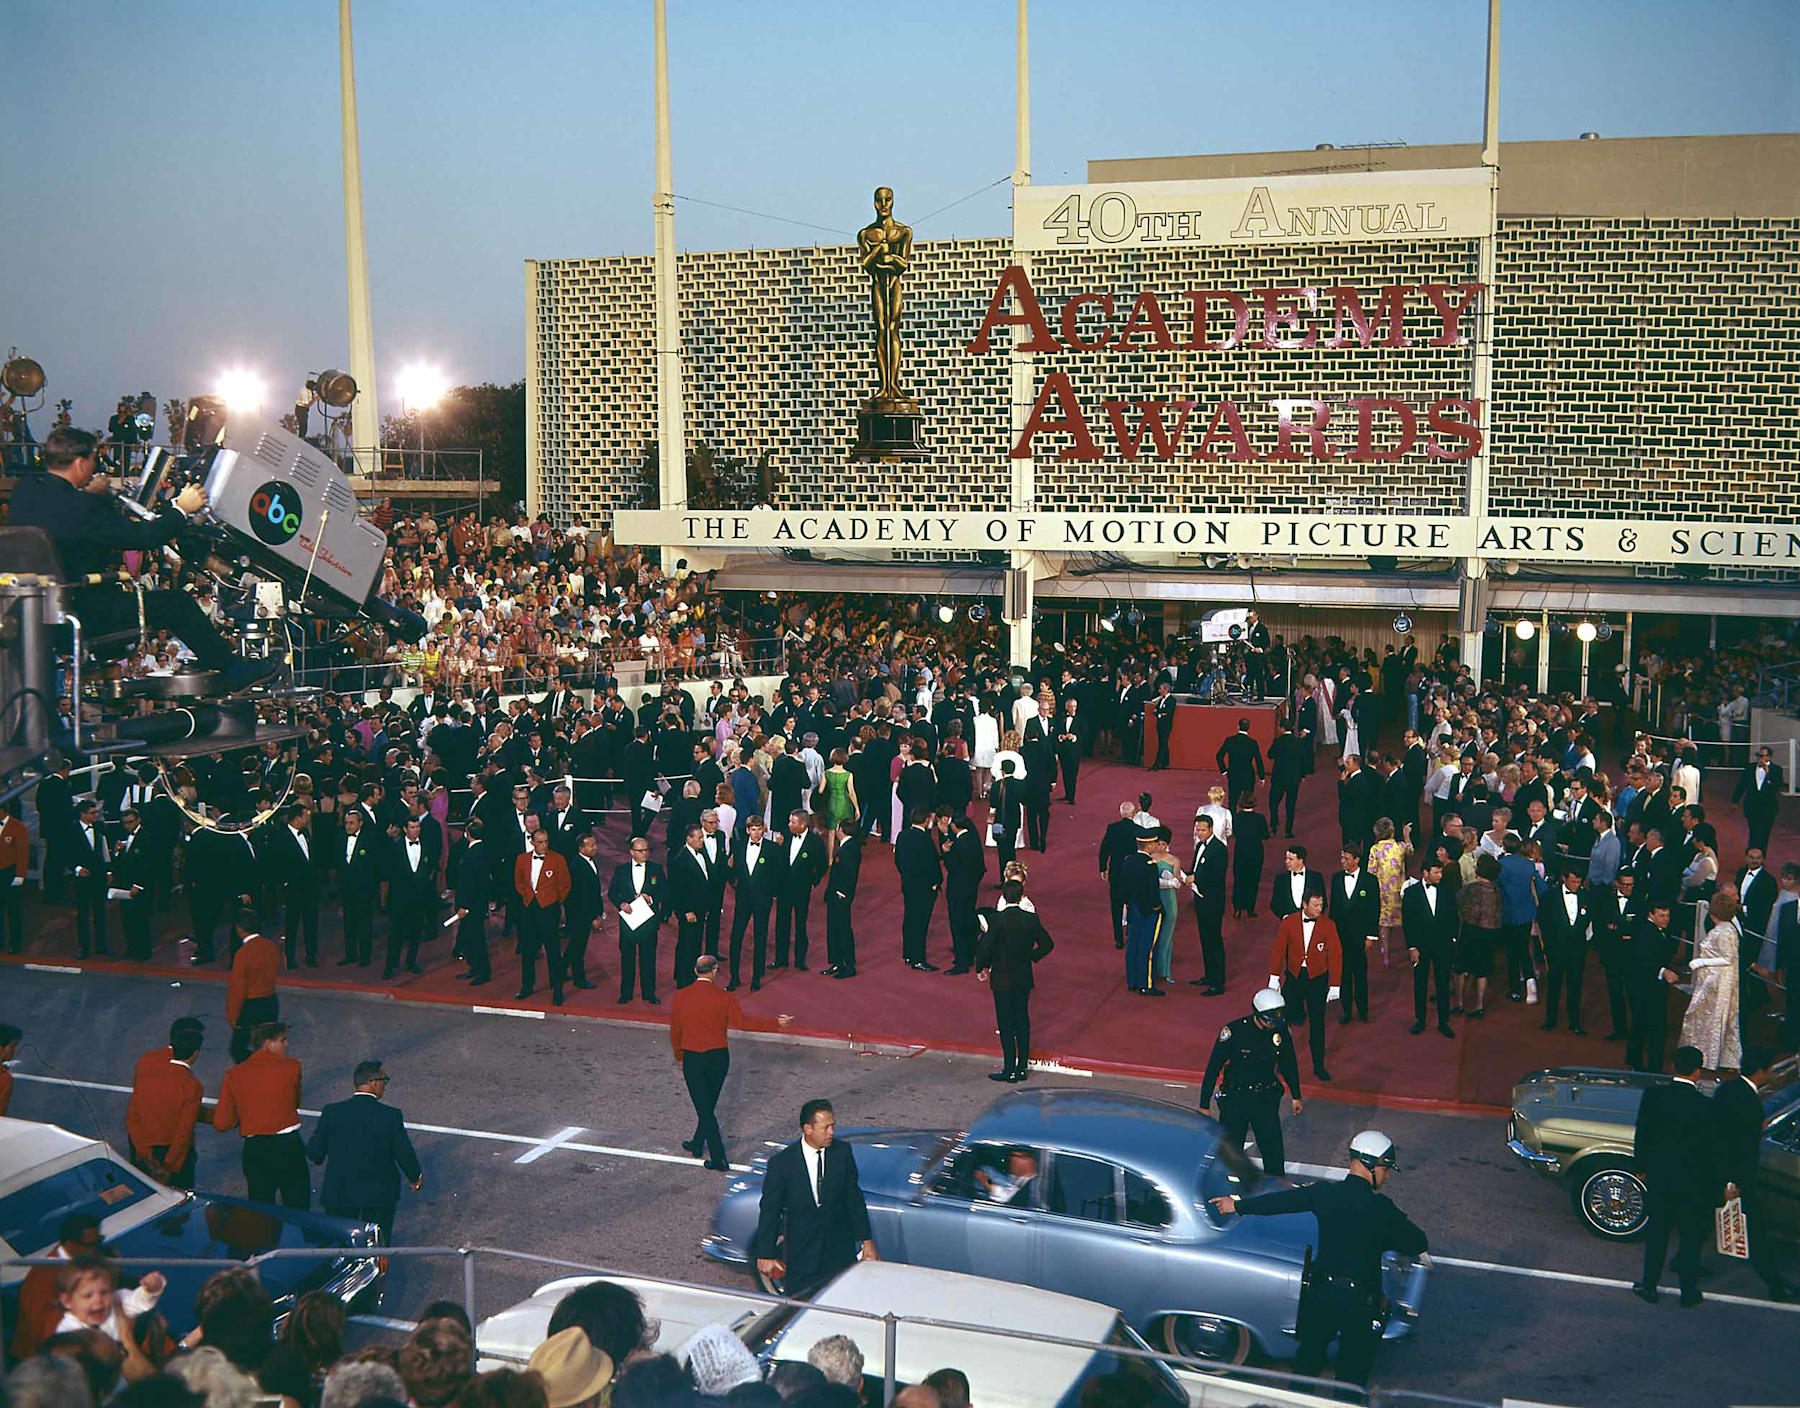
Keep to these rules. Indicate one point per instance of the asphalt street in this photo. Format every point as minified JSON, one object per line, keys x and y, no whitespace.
{"x":562,"y":1138}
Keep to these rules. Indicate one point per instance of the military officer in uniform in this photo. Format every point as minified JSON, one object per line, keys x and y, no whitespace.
{"x":1341,"y":1297}
{"x":1255,"y":1055}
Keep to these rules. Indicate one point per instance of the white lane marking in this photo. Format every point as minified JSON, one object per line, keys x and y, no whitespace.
{"x":1057,"y":1068}
{"x":610,"y":1150}
{"x":1325,"y":1171}
{"x":510,"y":1012}
{"x":555,"y":1141}
{"x":1608,"y":1282}
{"x":49,"y":968}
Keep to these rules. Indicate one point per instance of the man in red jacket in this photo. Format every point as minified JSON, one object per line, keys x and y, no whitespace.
{"x":261,"y":1097}
{"x":541,"y":877}
{"x":1307,"y":965}
{"x":165,"y":1104}
{"x":699,"y":1017}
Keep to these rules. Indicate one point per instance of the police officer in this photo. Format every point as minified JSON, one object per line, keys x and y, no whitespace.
{"x":1255,"y":1054}
{"x":1341,"y":1297}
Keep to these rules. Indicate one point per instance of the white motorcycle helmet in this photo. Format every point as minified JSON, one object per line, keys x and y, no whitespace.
{"x":1373,"y":1150}
{"x":1267,"y":1000}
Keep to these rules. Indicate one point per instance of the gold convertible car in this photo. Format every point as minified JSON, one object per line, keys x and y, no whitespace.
{"x":1577,"y":1123}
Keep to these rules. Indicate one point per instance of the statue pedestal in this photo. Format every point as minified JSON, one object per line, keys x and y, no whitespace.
{"x":888,"y":430}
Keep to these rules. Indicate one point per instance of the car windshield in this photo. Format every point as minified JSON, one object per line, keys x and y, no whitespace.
{"x":29,"y":1218}
{"x":1165,"y":1390}
{"x":1781,"y":1095}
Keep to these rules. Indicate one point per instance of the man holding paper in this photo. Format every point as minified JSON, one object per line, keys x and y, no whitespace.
{"x":1738,"y":1113}
{"x":636,"y":891}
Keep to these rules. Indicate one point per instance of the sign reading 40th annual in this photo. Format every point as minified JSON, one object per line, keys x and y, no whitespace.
{"x":1341,"y":208}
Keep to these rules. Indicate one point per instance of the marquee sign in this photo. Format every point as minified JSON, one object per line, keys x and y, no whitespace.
{"x":1341,"y":208}
{"x":1565,"y":540}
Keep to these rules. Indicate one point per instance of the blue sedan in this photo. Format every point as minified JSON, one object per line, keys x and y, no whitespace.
{"x":1098,"y":1194}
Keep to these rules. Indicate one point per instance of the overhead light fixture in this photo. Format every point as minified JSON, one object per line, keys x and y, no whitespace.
{"x":1603,"y":631}
{"x":978,"y":613}
{"x":1134,"y":617}
{"x":1586,"y":632}
{"x":1559,"y":629}
{"x":1109,"y":621}
{"x":1491,"y":627}
{"x":946,"y":613}
{"x":1525,"y":628}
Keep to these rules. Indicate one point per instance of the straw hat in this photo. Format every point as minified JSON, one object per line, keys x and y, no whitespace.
{"x":573,"y":1370}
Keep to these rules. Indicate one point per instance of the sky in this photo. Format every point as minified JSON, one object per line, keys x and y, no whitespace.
{"x":171,"y":200}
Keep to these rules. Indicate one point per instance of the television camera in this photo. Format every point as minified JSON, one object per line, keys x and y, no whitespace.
{"x":280,"y":542}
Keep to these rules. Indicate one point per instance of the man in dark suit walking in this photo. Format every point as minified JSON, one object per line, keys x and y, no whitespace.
{"x":1428,"y":922}
{"x":1287,"y":765}
{"x":1012,"y":940}
{"x":134,"y":870}
{"x":1353,"y":902}
{"x":1118,"y":843}
{"x":365,"y":1149}
{"x":587,"y":902}
{"x":921,"y":874}
{"x":965,"y":867}
{"x":412,"y":897}
{"x":470,"y":881}
{"x":90,"y":858}
{"x":1165,"y":722}
{"x":690,"y":891}
{"x":1358,"y":789}
{"x":813,"y":1220}
{"x":1069,"y":733}
{"x":1674,"y":1144}
{"x":1738,"y":1114}
{"x":802,"y":868}
{"x":291,"y":857}
{"x":361,"y":867}
{"x":1240,"y":759}
{"x":756,"y":872}
{"x":632,"y":879}
{"x":1758,"y":793}
{"x":840,"y":895}
{"x":1210,"y":872}
{"x":1566,"y":924}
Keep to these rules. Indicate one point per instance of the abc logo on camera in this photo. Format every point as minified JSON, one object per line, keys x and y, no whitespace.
{"x":275,"y":512}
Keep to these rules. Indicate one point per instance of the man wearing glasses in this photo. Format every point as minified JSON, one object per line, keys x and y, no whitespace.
{"x":365,"y":1148}
{"x":1758,"y":793}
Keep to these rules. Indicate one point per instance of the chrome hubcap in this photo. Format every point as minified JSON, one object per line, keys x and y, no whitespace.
{"x":1614,"y":1201}
{"x":1203,"y":1337}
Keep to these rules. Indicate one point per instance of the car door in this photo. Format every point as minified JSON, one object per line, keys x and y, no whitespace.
{"x":1779,"y":1183}
{"x":1087,"y":1249}
{"x":956,"y":1224}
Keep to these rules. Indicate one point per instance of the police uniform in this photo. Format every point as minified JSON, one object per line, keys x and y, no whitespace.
{"x":1342,"y":1298}
{"x":1255,"y":1061}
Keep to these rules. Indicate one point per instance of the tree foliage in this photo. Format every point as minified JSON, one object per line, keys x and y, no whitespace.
{"x":488,"y":418}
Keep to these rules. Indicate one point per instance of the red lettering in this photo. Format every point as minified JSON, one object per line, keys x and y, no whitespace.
{"x":1226,"y":414}
{"x":1240,"y":313}
{"x":1451,"y":336}
{"x":1468,"y":430}
{"x":1365,"y":451}
{"x":1071,"y":422}
{"x":1014,"y":280}
{"x":1150,"y":419}
{"x":1319,"y":449}
{"x":1146,"y":317}
{"x":1072,"y":310}
{"x":1275,"y":316}
{"x":1392,"y":307}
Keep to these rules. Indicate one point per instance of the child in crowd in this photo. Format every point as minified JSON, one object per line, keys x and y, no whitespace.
{"x":88,"y":1288}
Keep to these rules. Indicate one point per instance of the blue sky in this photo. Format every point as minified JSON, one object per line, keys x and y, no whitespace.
{"x":170,"y":188}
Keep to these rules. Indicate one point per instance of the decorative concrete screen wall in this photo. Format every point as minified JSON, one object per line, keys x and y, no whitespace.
{"x":1643,"y":368}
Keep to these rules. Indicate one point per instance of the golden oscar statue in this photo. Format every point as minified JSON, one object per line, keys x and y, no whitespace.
{"x":889,"y":422}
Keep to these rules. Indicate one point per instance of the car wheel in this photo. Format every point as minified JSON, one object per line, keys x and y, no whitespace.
{"x":1221,"y":1342}
{"x":1610,"y":1200}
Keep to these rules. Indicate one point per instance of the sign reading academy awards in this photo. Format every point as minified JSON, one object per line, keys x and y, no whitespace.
{"x":1340,"y":208}
{"x":1255,"y":535}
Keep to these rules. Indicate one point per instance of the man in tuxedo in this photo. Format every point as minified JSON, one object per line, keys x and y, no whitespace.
{"x":1070,"y":737}
{"x":788,"y":782}
{"x":802,"y":868}
{"x":691,"y":880}
{"x":541,"y":879}
{"x":1613,"y":930}
{"x":716,"y":846}
{"x":586,"y":903}
{"x":921,"y":869}
{"x":1566,"y":924}
{"x":471,"y":879}
{"x":637,"y":766}
{"x":1240,"y":759}
{"x":508,"y":839}
{"x":1256,"y":642}
{"x":965,"y":867}
{"x":1415,"y":765}
{"x":1164,"y":707}
{"x":1738,"y":1118}
{"x":1295,"y":882}
{"x":361,"y":866}
{"x":1128,"y":703}
{"x":1306,"y":965}
{"x":90,"y":857}
{"x":297,"y":870}
{"x":1649,"y":976}
{"x":55,"y":805}
{"x":1118,"y":842}
{"x":1358,"y":789}
{"x":1039,"y":755}
{"x":134,"y":870}
{"x":1353,"y":901}
{"x":1287,"y":765}
{"x":219,"y":869}
{"x":1676,"y":1150}
{"x":1539,"y":828}
{"x":412,"y":897}
{"x":1210,"y":872}
{"x":840,"y":896}
{"x":365,"y":1149}
{"x":565,"y":823}
{"x":756,"y":865}
{"x":631,"y":878}
{"x":813,"y":1220}
{"x":1758,"y":795}
{"x":1428,"y":921}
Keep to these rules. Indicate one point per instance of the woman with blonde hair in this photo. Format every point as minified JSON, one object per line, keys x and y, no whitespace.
{"x":1388,"y":858}
{"x":1216,"y":809}
{"x":1711,"y":1022}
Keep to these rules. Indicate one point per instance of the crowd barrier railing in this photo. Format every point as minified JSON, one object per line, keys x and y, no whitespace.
{"x":1208,"y":1384}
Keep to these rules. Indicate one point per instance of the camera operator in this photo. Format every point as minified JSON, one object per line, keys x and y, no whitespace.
{"x":91,"y":529}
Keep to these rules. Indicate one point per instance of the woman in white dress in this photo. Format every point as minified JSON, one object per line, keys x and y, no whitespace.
{"x":1711,"y":1023}
{"x":987,"y":743}
{"x":1323,"y":693}
{"x":1347,"y":717}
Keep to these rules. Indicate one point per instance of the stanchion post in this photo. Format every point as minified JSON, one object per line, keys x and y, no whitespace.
{"x":468,"y":1270}
{"x":1793,"y":787}
{"x":890,"y":1334}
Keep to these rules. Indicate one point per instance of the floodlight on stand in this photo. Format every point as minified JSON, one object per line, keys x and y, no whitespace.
{"x":1586,"y":631}
{"x":21,"y":376}
{"x":1524,"y":628}
{"x":422,"y":387}
{"x":978,"y":613}
{"x":336,"y":389}
{"x":241,"y":390}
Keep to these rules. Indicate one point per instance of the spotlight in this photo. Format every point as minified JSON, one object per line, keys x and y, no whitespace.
{"x":946,"y":613}
{"x":1586,"y":631}
{"x":205,"y":424}
{"x":22,"y":376}
{"x":1524,"y":629}
{"x":1110,"y":620}
{"x":1491,"y":627}
{"x":1559,"y":629}
{"x":978,"y":613}
{"x":1134,"y":617}
{"x":1402,"y":624}
{"x":241,"y":390}
{"x":336,"y":389}
{"x":1603,"y":631}
{"x":421,"y":387}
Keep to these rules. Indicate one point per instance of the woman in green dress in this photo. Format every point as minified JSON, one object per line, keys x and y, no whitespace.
{"x":837,"y":799}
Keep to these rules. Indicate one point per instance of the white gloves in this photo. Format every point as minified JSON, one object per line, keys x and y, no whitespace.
{"x":1274,"y":983}
{"x":1332,"y":996}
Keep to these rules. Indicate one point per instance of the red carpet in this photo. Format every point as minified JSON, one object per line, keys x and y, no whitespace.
{"x":1081,"y":1013}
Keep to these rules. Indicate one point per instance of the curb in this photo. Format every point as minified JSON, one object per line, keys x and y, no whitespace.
{"x":856,"y":1043}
